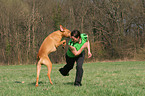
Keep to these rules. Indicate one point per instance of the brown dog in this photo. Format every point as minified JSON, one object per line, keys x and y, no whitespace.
{"x":49,"y":45}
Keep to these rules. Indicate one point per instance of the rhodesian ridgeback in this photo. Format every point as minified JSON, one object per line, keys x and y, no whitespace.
{"x":49,"y":45}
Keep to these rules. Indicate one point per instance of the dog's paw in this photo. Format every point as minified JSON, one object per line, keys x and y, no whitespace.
{"x":36,"y":85}
{"x":63,"y":47}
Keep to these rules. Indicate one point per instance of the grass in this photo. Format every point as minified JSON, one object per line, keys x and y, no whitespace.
{"x":99,"y":79}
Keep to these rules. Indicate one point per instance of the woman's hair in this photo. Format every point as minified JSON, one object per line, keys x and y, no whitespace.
{"x":75,"y":33}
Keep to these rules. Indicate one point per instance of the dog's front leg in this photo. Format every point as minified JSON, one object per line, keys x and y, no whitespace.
{"x":63,"y":43}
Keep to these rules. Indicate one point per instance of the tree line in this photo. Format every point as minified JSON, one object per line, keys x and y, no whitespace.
{"x":115,"y":27}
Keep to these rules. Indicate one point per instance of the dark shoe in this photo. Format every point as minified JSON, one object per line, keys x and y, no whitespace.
{"x":61,"y":72}
{"x":77,"y":84}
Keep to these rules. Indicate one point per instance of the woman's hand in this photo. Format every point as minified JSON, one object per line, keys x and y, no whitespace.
{"x":89,"y":54}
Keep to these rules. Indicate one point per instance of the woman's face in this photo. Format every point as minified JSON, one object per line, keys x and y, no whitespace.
{"x":74,"y":39}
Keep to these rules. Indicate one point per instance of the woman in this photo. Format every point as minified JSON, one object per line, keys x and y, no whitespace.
{"x":76,"y":54}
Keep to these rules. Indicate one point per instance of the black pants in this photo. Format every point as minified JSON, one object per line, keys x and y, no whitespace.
{"x":70,"y":63}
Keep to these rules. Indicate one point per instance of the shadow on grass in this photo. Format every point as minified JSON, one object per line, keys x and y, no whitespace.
{"x":18,"y":82}
{"x":69,"y":83}
{"x":34,"y":83}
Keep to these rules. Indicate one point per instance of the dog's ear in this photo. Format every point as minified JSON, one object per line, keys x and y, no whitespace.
{"x":62,"y":28}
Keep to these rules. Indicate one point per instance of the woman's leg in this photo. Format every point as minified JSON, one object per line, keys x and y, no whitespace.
{"x":69,"y":65}
{"x":79,"y":69}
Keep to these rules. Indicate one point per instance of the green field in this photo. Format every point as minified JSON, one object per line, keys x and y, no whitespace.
{"x":100,"y":79}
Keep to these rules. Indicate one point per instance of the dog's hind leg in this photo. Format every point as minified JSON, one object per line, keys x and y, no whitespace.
{"x":49,"y":71}
{"x":38,"y":72}
{"x":48,"y":63}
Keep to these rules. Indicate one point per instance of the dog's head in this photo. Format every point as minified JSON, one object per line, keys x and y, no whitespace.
{"x":65,"y":32}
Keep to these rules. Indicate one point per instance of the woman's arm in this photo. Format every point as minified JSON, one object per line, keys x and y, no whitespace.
{"x":89,"y":51}
{"x":75,"y":52}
